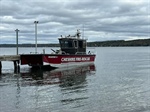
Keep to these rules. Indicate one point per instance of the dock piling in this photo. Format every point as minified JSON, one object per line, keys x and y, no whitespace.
{"x":14,"y":58}
{"x":16,"y":66}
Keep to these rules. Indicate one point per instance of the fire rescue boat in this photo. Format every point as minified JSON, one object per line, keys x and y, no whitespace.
{"x":72,"y":52}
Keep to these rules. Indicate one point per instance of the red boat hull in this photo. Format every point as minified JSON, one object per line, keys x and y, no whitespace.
{"x":55,"y":59}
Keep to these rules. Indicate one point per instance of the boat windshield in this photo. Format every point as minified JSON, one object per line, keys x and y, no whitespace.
{"x":82,"y":44}
{"x":66,"y":43}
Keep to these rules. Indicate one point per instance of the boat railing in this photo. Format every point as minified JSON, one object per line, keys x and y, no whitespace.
{"x":91,"y":50}
{"x":63,"y":52}
{"x":80,"y":53}
{"x":34,"y":52}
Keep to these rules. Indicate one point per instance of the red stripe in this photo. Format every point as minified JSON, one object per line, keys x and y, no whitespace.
{"x":58,"y":59}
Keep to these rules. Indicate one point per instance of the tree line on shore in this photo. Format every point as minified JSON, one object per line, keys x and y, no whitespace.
{"x":29,"y":45}
{"x":115,"y":43}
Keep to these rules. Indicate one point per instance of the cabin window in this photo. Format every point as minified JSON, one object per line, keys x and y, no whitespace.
{"x":70,"y":44}
{"x":75,"y":44}
{"x":66,"y":43}
{"x":80,"y":44}
{"x":84,"y":44}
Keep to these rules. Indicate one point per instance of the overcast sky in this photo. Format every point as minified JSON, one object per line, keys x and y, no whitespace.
{"x":102,"y":19}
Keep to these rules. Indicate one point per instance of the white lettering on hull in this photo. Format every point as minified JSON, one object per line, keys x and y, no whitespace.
{"x":75,"y":59}
{"x":52,"y":56}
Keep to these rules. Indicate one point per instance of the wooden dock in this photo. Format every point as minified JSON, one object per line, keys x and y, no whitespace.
{"x":10,"y":58}
{"x":14,"y":58}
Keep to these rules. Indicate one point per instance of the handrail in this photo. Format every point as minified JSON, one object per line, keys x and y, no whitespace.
{"x":80,"y":53}
{"x":63,"y":52}
{"x":34,"y":52}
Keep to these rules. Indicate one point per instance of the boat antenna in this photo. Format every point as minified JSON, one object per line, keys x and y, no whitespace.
{"x":78,"y":34}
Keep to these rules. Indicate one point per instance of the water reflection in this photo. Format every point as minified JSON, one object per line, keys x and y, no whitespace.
{"x":40,"y":89}
{"x":74,"y":76}
{"x":65,"y":77}
{"x":68,"y":82}
{"x":18,"y":93}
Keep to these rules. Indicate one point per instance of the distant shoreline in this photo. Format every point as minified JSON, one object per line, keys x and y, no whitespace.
{"x":120,"y":43}
{"x":114,"y":43}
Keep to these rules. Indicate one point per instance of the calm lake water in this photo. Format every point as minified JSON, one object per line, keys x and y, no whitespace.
{"x":118,"y":81}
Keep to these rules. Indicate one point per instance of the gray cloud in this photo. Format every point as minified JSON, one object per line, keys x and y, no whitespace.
{"x":102,"y":20}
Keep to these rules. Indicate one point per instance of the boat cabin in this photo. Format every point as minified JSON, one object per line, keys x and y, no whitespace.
{"x":73,"y":44}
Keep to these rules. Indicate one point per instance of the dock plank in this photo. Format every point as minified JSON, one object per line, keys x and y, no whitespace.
{"x":9,"y":57}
